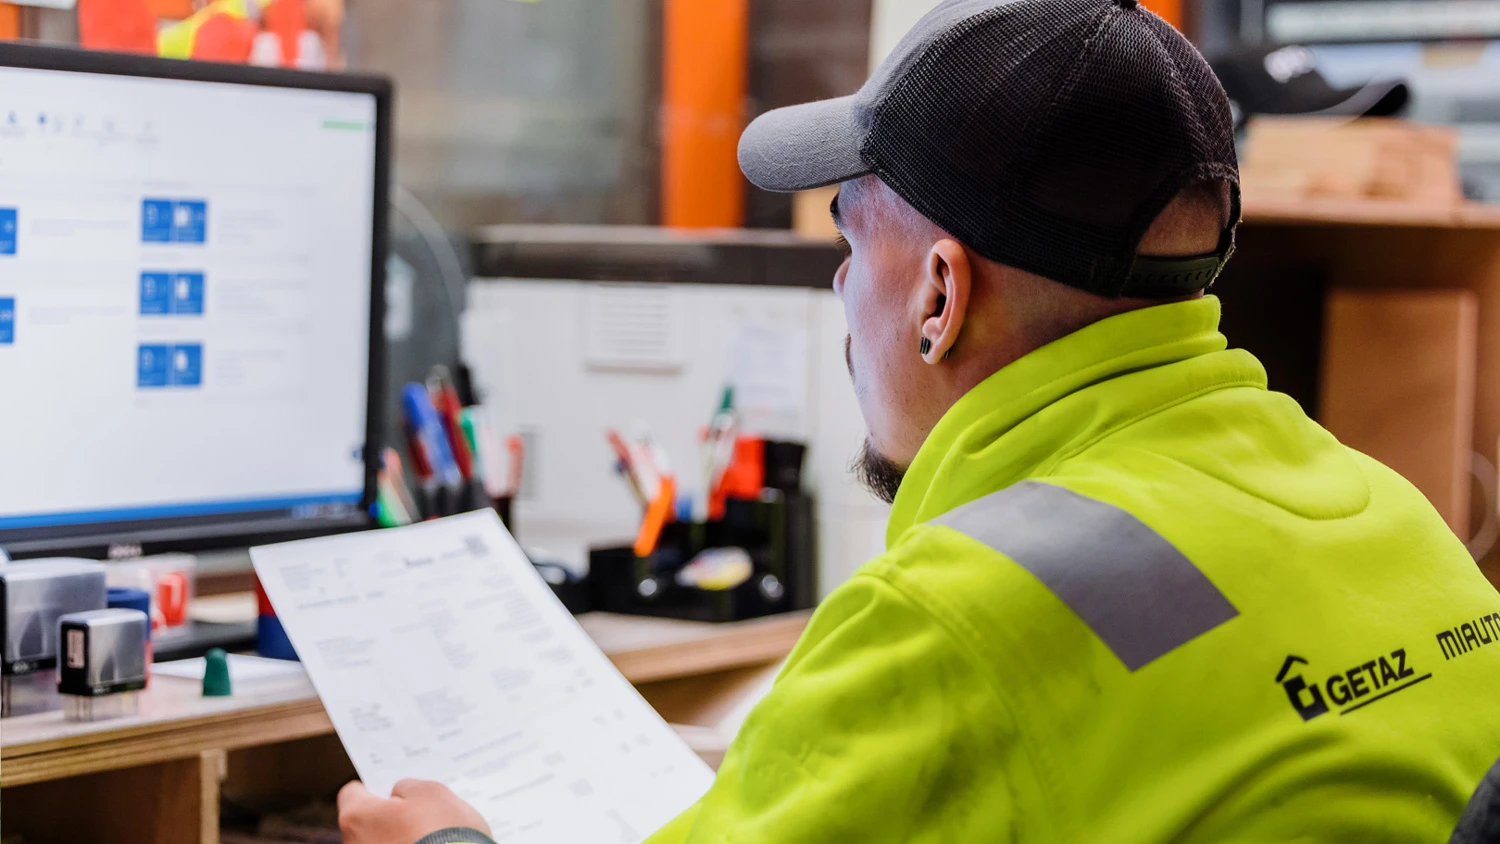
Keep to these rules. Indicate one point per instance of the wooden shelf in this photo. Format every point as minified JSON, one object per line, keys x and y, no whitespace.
{"x":1369,"y":212}
{"x":647,"y":650}
{"x":176,"y":722}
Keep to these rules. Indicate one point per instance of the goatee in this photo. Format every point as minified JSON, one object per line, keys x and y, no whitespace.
{"x":877,"y":473}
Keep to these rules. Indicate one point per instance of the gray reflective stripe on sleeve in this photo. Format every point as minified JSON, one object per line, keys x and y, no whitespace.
{"x":1136,"y":591}
{"x":457,"y":835}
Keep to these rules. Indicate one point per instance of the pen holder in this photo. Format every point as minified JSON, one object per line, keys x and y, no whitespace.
{"x":435,"y":500}
{"x":502,"y":506}
{"x":776,"y":531}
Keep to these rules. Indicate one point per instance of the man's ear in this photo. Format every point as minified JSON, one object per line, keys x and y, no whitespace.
{"x":943,"y":300}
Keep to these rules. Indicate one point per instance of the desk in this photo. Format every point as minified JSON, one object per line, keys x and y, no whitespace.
{"x":158,"y":776}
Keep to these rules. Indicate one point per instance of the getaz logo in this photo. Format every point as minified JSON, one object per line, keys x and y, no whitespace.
{"x":1351,"y":689}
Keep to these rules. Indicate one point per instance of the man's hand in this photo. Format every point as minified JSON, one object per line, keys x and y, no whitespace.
{"x":415,"y":809}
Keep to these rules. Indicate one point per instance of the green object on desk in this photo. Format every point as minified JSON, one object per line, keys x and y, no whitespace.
{"x":216,"y":674}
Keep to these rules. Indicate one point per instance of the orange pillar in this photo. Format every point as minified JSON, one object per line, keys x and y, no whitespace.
{"x":10,"y":21}
{"x":1170,"y":10}
{"x":706,"y":55}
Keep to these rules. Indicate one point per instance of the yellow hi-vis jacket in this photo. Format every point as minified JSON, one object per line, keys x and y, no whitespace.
{"x":1131,"y":596}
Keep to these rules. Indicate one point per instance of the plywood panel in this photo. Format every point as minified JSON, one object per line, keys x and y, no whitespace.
{"x":279,"y":777}
{"x":1369,"y":248}
{"x":170,"y":803}
{"x":1398,"y":384}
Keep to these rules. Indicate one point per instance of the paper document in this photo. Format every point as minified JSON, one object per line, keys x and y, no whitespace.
{"x":440,"y":654}
{"x":768,"y":368}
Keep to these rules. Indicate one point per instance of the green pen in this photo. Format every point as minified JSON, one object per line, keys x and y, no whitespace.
{"x":471,"y":436}
{"x":390,"y":509}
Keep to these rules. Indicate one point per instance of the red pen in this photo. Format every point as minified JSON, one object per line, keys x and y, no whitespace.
{"x":622,"y":451}
{"x":517,"y":451}
{"x":626,"y":465}
{"x":421,"y":464}
{"x":450,"y":410}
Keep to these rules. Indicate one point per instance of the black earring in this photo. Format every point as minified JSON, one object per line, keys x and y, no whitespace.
{"x":925,"y":347}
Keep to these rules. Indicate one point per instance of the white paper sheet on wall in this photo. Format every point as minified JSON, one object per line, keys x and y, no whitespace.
{"x":768,"y":368}
{"x":440,"y":654}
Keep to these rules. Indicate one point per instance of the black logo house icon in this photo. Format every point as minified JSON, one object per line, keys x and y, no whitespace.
{"x":1307,"y":700}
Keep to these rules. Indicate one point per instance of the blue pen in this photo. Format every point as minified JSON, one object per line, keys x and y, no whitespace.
{"x":427,"y":427}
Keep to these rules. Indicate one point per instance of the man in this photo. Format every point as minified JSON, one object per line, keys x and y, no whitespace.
{"x":1130,"y":594}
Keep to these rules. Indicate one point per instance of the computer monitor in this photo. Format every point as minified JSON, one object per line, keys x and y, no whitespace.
{"x":191,"y":273}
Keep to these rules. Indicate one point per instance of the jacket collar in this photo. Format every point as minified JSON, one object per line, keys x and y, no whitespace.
{"x":1063,"y":396}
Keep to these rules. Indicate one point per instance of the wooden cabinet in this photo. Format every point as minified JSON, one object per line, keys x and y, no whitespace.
{"x":1436,"y":357}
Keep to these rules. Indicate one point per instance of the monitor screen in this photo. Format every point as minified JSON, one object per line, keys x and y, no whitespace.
{"x":188,"y":274}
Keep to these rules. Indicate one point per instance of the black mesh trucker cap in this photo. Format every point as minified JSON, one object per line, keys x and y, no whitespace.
{"x":1043,"y":134}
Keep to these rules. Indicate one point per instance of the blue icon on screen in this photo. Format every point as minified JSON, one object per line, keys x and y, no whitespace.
{"x":156,"y":293}
{"x":156,"y":220}
{"x":8,"y":227}
{"x":187,"y":365}
{"x":190,"y":221}
{"x":174,"y":221}
{"x":187,"y":294}
{"x":7,"y":321}
{"x":151,"y":364}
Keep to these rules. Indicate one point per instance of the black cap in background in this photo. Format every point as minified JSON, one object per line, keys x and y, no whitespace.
{"x":1044,"y":134}
{"x":1285,"y":80}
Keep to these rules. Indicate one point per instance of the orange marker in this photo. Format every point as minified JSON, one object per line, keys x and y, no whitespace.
{"x":656,"y":518}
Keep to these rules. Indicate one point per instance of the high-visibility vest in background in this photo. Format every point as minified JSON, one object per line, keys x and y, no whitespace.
{"x":226,"y":30}
{"x":120,"y":26}
{"x":1131,"y":595}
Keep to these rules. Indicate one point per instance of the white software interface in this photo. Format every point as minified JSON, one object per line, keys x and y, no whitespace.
{"x":184,"y":297}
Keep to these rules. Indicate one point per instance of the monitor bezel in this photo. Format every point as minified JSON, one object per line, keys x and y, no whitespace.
{"x":133,"y":538}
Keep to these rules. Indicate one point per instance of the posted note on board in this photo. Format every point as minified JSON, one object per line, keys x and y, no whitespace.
{"x":768,"y":368}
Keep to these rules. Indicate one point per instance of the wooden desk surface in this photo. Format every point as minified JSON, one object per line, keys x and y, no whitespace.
{"x":175,"y":720}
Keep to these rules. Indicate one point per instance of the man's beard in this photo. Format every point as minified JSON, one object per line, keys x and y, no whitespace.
{"x":877,"y":473}
{"x":874,"y":471}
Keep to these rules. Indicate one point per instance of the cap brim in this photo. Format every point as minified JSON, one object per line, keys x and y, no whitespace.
{"x":803,"y":147}
{"x":1377,"y":99}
